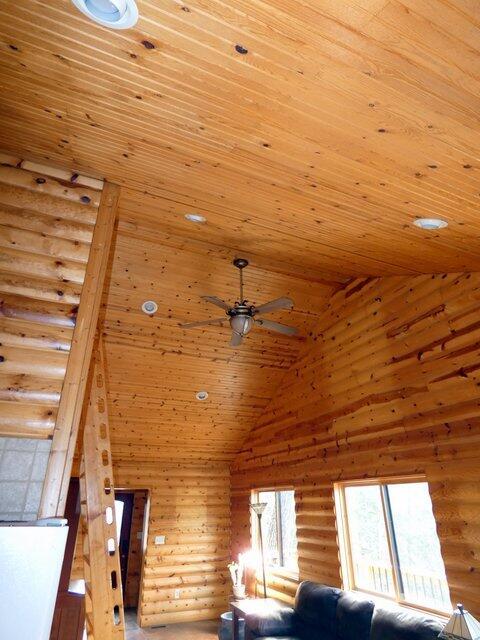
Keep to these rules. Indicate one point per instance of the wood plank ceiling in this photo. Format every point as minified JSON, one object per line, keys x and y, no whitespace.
{"x":155,"y":367}
{"x":309,"y":134}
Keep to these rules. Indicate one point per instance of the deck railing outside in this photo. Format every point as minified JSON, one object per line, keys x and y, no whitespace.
{"x":420,"y":588}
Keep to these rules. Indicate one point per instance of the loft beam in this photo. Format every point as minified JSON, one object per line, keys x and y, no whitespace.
{"x":59,"y":467}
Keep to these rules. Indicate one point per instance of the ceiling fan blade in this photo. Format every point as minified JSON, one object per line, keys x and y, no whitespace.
{"x":273,"y":305}
{"x":217,"y":301}
{"x":203,"y":323}
{"x":277,"y":326}
{"x":236,"y":340}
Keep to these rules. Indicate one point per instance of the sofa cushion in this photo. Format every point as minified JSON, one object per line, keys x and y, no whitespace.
{"x":316,"y":608}
{"x":354,"y":616}
{"x":272,"y":623}
{"x":398,"y":624}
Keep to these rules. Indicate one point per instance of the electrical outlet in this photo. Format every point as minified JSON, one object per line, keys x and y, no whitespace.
{"x":176,"y":594}
{"x":159,"y":539}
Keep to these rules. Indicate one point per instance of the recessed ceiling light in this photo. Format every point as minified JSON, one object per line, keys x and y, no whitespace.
{"x":430,"y":223}
{"x":195,"y":217}
{"x":116,"y":14}
{"x":201,"y":395}
{"x":149,"y":307}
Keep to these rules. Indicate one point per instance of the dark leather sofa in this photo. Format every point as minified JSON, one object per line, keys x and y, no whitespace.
{"x":326,"y":613}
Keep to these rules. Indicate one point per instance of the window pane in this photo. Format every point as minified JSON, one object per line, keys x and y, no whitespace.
{"x":269,"y":528}
{"x":421,"y":564}
{"x":368,"y":540}
{"x":289,"y":531}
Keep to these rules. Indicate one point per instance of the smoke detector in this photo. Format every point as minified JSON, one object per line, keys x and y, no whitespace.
{"x":149,"y":307}
{"x":115,"y":14}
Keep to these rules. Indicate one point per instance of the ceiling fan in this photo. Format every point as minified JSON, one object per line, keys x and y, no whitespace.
{"x":243,"y":316}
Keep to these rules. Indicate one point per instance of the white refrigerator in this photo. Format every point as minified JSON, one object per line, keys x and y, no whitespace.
{"x":31,"y":556}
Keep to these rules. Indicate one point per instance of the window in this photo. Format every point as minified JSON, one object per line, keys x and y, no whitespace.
{"x":278,"y":529}
{"x":389,"y":542}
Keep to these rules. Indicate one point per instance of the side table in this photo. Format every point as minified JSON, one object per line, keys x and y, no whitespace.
{"x":241,"y":608}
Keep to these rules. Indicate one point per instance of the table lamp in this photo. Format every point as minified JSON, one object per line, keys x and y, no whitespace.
{"x":461,"y":626}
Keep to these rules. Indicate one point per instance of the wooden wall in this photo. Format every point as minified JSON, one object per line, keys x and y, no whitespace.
{"x":190,"y":505}
{"x":389,"y":385}
{"x":46,"y":227}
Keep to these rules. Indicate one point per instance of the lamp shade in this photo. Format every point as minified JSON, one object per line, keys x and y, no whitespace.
{"x":461,"y":626}
{"x":241,"y":324}
{"x":258,"y":507}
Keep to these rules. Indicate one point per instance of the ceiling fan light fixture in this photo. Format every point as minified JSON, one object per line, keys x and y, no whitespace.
{"x":430,"y":224}
{"x":241,"y":324}
{"x":115,"y":14}
{"x":195,"y":217}
{"x":201,"y":395}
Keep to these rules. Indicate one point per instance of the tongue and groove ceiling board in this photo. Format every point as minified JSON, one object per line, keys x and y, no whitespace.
{"x":309,"y":133}
{"x":154,"y":368}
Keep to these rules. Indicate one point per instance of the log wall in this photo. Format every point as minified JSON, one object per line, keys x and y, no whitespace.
{"x":46,"y":227}
{"x":190,"y":505}
{"x":47,"y":218}
{"x":388,"y":385}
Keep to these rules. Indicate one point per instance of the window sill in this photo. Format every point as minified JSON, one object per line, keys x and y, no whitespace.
{"x":283,"y":573}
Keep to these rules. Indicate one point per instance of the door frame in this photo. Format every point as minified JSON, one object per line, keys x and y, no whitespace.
{"x":128,"y":499}
{"x":144,"y":545}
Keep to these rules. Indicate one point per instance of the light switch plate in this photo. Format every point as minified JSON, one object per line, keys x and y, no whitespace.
{"x":139,"y":535}
{"x":159,"y":539}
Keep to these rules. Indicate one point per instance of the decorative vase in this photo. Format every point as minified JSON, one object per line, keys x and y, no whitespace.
{"x":239,"y":591}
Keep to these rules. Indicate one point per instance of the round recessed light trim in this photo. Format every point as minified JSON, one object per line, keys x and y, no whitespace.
{"x":115,"y":14}
{"x":430,"y":223}
{"x":195,"y":217}
{"x":201,"y":395}
{"x":149,"y":307}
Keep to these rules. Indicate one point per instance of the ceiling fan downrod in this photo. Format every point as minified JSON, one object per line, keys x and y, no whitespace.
{"x":241,"y":263}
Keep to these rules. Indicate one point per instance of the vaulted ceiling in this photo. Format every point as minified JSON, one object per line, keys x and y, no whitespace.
{"x":313,"y":132}
{"x":309,"y":134}
{"x":155,"y":367}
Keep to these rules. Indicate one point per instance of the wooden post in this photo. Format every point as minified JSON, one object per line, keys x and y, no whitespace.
{"x":65,"y":433}
{"x":103,"y":584}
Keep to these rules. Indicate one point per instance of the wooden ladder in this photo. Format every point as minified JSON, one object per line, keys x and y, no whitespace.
{"x":103,"y":585}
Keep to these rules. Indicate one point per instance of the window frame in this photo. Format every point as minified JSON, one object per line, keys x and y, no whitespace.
{"x":346,"y":560}
{"x":274,"y":569}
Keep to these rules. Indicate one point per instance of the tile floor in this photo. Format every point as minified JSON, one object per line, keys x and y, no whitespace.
{"x":23,"y":464}
{"x":204,"y":630}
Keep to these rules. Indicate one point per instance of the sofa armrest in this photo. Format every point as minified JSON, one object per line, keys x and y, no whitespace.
{"x":271,"y":623}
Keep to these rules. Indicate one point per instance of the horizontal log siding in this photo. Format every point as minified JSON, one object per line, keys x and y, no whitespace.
{"x":388,"y":385}
{"x":190,"y":506}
